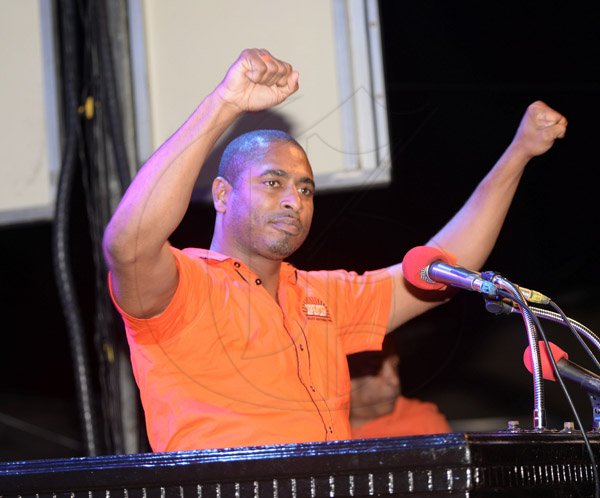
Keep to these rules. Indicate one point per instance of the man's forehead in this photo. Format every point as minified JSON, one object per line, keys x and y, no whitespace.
{"x":285,"y":157}
{"x":284,"y":148}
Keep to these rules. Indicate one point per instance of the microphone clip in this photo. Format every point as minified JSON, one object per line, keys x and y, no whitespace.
{"x":499,"y":306}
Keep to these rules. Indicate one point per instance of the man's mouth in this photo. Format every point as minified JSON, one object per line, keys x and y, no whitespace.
{"x":288,"y":224}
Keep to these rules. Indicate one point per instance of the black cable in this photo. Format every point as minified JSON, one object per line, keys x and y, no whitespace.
{"x":96,"y":183}
{"x":567,"y":322}
{"x":109,"y":94}
{"x":93,"y":187}
{"x":60,"y":234}
{"x":538,"y":325}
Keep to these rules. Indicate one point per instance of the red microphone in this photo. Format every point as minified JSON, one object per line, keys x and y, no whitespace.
{"x":589,"y":381}
{"x":418,"y":259}
{"x":430,"y":268}
{"x":545,"y":363}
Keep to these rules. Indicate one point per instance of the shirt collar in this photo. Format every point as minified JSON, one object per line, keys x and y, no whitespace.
{"x":288,"y":272}
{"x":196,"y":252}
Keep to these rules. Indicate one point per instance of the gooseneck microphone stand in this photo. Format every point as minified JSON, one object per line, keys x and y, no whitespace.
{"x":539,"y":408}
{"x":517,"y":304}
{"x":593,"y":392}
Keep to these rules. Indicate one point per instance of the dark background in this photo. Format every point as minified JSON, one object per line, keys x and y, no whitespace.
{"x":459,"y":77}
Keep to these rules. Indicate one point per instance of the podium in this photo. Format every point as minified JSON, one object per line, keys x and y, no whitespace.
{"x":509,"y":464}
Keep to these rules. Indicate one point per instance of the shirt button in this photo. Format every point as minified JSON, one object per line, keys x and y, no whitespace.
{"x":312,"y":388}
{"x":236,"y":264}
{"x":301,"y":347}
{"x":258,"y":281}
{"x":330,"y":430}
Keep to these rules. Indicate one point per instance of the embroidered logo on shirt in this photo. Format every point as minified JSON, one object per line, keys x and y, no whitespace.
{"x":316,"y":309}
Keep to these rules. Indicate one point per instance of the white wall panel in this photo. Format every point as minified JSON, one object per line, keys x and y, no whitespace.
{"x":29,"y":126}
{"x":187,"y":45}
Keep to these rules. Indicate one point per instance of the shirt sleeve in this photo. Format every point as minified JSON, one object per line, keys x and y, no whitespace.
{"x":185,"y":304}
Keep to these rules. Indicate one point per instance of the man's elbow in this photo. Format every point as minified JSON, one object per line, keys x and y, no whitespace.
{"x":116,"y":248}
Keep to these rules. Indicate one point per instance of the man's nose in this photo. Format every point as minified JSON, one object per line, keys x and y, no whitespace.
{"x":390,"y":374}
{"x":291,"y":199}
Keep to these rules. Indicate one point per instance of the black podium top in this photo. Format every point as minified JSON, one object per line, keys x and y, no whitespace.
{"x":523,"y":463}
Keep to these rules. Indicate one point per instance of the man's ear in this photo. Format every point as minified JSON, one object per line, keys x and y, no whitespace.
{"x":220,"y":193}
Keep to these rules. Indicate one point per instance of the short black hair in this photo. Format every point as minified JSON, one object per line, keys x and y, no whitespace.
{"x":250,"y":146}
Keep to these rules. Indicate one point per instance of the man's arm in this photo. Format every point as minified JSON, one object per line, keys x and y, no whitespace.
{"x":485,"y":209}
{"x":143,"y":270}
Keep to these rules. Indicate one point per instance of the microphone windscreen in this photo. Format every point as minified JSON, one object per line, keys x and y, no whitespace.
{"x":417,"y":260}
{"x":546,"y":364}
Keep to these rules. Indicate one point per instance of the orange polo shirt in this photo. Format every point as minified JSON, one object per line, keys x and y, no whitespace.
{"x":410,"y":417}
{"x":224,"y":365}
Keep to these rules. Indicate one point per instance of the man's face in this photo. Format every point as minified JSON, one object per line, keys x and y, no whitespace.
{"x":270,"y":207}
{"x":378,"y":390}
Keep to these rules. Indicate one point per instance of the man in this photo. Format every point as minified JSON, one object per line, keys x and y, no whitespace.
{"x":233,"y":346}
{"x":377,"y":407}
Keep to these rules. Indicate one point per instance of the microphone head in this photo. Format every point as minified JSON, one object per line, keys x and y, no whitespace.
{"x":416,"y":261}
{"x":545,"y":363}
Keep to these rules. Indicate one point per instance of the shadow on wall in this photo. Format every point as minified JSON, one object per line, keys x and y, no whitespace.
{"x":267,"y":119}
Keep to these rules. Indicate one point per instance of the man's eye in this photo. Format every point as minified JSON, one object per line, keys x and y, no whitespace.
{"x":272,"y":183}
{"x":306,"y":191}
